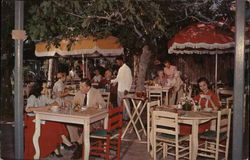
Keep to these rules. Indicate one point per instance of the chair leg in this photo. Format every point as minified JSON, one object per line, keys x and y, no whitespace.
{"x":154,"y":148}
{"x":190,"y":146}
{"x":107,"y":150}
{"x":177,"y":151}
{"x":227,"y":147}
{"x":217,"y":150}
{"x":148,"y":128}
{"x":164,"y":150}
{"x":119,"y":148}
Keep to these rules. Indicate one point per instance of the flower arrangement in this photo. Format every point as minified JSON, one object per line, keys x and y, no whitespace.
{"x":186,"y":102}
{"x":150,"y":82}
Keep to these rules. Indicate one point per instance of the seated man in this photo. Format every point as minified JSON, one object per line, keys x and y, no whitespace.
{"x":87,"y":97}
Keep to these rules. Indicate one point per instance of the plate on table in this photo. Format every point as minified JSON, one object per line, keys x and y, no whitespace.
{"x":208,"y":109}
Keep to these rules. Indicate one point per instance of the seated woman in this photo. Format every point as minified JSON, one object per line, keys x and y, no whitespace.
{"x":105,"y":83}
{"x":52,"y":133}
{"x":97,"y":78}
{"x":160,"y":79}
{"x":206,"y":99}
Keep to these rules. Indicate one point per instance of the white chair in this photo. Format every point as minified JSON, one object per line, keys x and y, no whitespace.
{"x":165,"y":128}
{"x":154,"y":93}
{"x":226,"y":96}
{"x":214,"y":139}
{"x":150,"y":106}
{"x":106,"y":97}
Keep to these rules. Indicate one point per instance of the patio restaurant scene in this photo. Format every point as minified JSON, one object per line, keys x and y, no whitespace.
{"x":110,"y":85}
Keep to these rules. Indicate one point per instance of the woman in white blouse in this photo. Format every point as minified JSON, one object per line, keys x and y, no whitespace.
{"x":52,"y":133}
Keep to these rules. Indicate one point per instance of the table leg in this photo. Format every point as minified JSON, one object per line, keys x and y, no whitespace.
{"x":166,"y":98}
{"x":195,"y":129}
{"x":131,"y":121}
{"x":86,"y":141}
{"x":36,"y":136}
{"x":139,"y":114}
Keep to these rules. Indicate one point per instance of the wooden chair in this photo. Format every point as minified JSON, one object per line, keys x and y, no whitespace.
{"x":95,"y":84}
{"x":226,"y":96}
{"x":217,"y":141}
{"x":165,"y":128}
{"x":150,"y":106}
{"x":155,"y":93}
{"x":106,"y":97}
{"x":110,"y":139}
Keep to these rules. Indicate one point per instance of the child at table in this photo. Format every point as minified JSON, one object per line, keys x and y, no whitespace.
{"x":206,"y":99}
{"x":52,"y":133}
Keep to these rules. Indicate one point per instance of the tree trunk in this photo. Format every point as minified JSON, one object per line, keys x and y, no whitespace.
{"x":143,"y":65}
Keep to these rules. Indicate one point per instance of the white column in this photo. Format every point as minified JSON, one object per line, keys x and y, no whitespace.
{"x":50,"y":72}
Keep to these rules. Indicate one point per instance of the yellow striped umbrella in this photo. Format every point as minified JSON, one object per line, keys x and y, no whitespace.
{"x":108,"y":46}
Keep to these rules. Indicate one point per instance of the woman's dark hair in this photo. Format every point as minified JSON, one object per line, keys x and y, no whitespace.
{"x":37,"y":89}
{"x":203,"y":79}
{"x":166,"y":61}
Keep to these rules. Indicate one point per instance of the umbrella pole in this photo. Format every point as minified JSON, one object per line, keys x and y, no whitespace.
{"x":83,"y":73}
{"x":86,"y":67}
{"x":216,"y":72}
{"x":50,"y":72}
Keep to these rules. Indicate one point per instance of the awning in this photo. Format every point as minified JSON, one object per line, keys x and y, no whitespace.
{"x":109,"y":46}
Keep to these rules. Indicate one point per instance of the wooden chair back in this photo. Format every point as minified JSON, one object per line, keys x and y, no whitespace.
{"x":155,"y":93}
{"x":150,"y":106}
{"x":106,"y":97}
{"x":223,"y":126}
{"x":226,"y":97}
{"x":115,"y":119}
{"x":216,"y":139}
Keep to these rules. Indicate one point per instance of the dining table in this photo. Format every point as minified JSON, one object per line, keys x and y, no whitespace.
{"x":193,"y":118}
{"x":83,"y":117}
{"x":163,"y":89}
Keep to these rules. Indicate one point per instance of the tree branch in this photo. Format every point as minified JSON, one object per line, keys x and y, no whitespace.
{"x":76,"y":15}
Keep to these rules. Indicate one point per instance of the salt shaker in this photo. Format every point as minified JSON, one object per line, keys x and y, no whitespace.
{"x":179,"y":106}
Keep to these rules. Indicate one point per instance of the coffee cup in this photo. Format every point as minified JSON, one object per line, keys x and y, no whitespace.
{"x":54,"y":108}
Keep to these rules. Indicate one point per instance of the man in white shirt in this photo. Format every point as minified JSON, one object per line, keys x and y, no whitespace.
{"x":124,"y":79}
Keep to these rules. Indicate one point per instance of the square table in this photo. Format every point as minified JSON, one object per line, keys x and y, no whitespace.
{"x":139,"y":104}
{"x":84,"y":118}
{"x":163,"y":89}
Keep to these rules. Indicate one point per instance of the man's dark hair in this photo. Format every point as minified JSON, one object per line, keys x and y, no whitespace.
{"x":120,"y":58}
{"x":86,"y":81}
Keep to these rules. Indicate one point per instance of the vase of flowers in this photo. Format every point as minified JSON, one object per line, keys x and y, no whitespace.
{"x":186,"y":103}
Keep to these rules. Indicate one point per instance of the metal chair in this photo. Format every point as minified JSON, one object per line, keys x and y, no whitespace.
{"x":165,"y":128}
{"x":217,"y":141}
{"x":110,"y":139}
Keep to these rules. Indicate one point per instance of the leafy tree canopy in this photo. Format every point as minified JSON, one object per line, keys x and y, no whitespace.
{"x":134,"y":22}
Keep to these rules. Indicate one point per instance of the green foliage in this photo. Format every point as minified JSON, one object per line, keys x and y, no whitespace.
{"x":134,"y":22}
